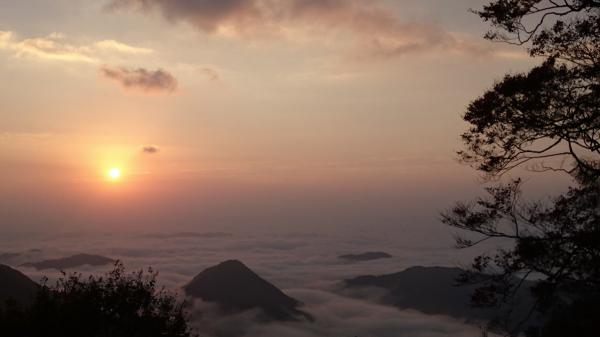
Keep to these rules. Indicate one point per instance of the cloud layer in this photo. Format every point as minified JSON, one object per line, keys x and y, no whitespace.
{"x":304,"y":265}
{"x":141,"y":79}
{"x":368,"y":27}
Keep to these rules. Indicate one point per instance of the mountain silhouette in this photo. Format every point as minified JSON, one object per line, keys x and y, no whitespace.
{"x":434,"y":290}
{"x":367,"y":256}
{"x":16,"y":286}
{"x":71,"y":262}
{"x":17,"y":257}
{"x":237,"y":288}
{"x":8,"y":256}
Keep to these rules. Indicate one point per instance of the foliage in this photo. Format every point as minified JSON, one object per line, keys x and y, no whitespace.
{"x":545,"y":120}
{"x":552,"y":112}
{"x":114,"y":305}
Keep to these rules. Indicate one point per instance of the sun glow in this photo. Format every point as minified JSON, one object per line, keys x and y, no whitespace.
{"x":114,"y":173}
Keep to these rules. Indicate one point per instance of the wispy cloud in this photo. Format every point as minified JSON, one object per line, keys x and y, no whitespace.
{"x":141,"y":79}
{"x":7,"y":137}
{"x":113,"y":45}
{"x":211,"y":74}
{"x":57,"y":47}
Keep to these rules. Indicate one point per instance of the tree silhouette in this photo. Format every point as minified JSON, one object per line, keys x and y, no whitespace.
{"x":113,"y":305}
{"x":545,"y":120}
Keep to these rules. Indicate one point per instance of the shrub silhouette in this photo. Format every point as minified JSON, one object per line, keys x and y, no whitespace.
{"x":113,"y":305}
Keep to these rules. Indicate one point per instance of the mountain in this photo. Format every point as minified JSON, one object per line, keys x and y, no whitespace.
{"x":433,"y":290}
{"x":71,"y":262}
{"x":237,"y":288}
{"x":8,"y":256}
{"x":367,"y":256}
{"x":15,"y":285}
{"x":15,"y":258}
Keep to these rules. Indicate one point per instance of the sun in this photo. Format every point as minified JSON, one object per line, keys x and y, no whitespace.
{"x":114,"y":173}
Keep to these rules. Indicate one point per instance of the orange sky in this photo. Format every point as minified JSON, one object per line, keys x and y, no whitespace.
{"x":237,"y":113}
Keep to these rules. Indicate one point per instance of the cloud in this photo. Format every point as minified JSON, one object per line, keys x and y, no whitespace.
{"x":141,"y":79}
{"x":51,"y":47}
{"x":370,"y":29}
{"x":305,"y":266}
{"x":150,"y":149}
{"x":121,"y":47}
{"x":212,"y":74}
{"x":5,"y":39}
{"x":340,"y":316}
{"x":56,"y":47}
{"x":206,"y":15}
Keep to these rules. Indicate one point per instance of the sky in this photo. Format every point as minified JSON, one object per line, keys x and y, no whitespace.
{"x":220,"y":115}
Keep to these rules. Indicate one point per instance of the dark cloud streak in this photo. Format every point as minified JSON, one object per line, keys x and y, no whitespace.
{"x":150,"y":149}
{"x":206,"y":15}
{"x":141,"y":79}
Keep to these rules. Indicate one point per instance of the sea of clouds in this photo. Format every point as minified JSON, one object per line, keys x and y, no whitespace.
{"x":304,"y":265}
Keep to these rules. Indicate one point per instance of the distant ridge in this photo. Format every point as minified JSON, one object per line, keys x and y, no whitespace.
{"x":71,"y":262}
{"x":16,"y":257}
{"x":367,"y":256}
{"x":206,"y":235}
{"x":15,"y":285}
{"x":433,"y":290}
{"x":237,"y":288}
{"x":8,"y":256}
